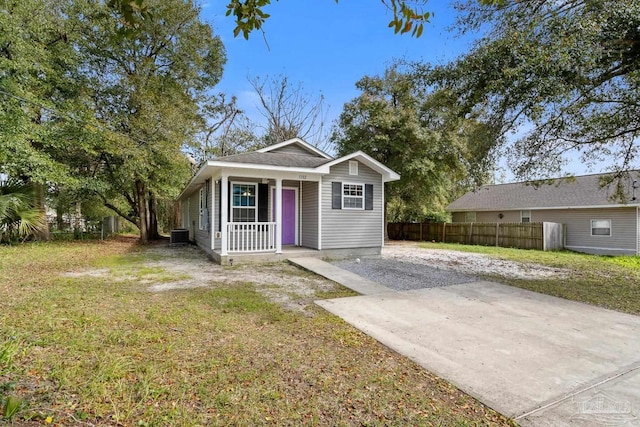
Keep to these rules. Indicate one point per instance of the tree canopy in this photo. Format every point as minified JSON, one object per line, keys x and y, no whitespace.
{"x":98,"y":109}
{"x":564,"y":74}
{"x":37,"y":76}
{"x":149,"y":86}
{"x":400,"y":123}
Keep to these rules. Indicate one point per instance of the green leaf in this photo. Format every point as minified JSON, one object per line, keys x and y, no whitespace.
{"x":407,"y":27}
{"x":11,"y":407}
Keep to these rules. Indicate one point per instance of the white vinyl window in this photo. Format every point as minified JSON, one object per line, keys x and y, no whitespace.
{"x":601,"y":227}
{"x":201,"y":211}
{"x":203,"y":220}
{"x":353,"y":167}
{"x":469,"y":217}
{"x":352,"y":196}
{"x":244,"y":202}
{"x":525,"y":216}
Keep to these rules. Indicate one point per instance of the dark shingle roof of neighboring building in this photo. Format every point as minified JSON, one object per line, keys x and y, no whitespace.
{"x":275,"y":159}
{"x":579,"y":191}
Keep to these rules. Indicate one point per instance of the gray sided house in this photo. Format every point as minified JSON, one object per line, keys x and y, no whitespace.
{"x":286,"y":197}
{"x":594,"y":221}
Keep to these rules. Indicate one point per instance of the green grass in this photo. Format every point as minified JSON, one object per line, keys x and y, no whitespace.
{"x":605,"y":281}
{"x":103,"y":350}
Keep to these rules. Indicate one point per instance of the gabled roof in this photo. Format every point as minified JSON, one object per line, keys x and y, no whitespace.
{"x":299,"y":142}
{"x":265,"y":159}
{"x":273,"y":159}
{"x":387,"y":174}
{"x":571,"y":192}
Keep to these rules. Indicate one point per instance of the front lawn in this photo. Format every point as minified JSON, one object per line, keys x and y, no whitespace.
{"x":99,"y":333}
{"x":605,"y":281}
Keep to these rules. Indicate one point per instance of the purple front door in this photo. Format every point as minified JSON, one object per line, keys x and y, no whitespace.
{"x":288,"y":215}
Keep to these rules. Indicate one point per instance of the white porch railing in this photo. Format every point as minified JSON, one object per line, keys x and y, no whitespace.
{"x":251,"y":236}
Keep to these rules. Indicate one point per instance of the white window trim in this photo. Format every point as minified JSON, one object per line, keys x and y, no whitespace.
{"x":602,"y":235}
{"x":353,"y":167}
{"x":523,"y":216}
{"x":255,"y":208}
{"x":201,"y":211}
{"x":361,"y":197}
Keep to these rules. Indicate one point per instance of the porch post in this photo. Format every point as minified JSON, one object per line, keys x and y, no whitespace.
{"x":278,"y":215}
{"x":224,"y":208}
{"x":320,"y":213}
{"x":212,"y":226}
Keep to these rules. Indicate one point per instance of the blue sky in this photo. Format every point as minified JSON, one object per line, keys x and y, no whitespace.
{"x":325,"y":46}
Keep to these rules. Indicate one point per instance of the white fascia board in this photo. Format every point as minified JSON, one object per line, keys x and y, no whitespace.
{"x":193,"y":183}
{"x":295,"y":174}
{"x":387,"y":174}
{"x":215,"y":169}
{"x":543,"y":208}
{"x":238,"y":167}
{"x":302,"y":142}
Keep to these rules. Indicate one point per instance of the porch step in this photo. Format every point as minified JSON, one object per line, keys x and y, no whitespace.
{"x":345,"y":278}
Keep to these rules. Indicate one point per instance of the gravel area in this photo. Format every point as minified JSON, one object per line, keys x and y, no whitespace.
{"x":401,"y":275}
{"x":405,"y":266}
{"x":468,"y":263}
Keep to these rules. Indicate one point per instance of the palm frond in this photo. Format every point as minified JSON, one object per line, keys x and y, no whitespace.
{"x":19,"y":215}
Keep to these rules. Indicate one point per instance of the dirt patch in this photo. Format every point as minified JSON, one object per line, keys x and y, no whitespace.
{"x":101,"y":272}
{"x":281,"y":282}
{"x":468,"y":263}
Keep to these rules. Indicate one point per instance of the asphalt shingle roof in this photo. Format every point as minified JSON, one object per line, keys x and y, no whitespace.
{"x":275,"y":159}
{"x":579,"y":191}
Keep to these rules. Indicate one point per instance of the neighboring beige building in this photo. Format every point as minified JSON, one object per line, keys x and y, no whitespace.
{"x":595,"y":222}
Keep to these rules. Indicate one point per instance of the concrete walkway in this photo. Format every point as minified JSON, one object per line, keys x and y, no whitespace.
{"x":541,"y":360}
{"x":345,"y":278}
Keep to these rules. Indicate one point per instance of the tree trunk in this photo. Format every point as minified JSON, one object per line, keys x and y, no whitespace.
{"x":176,"y":214}
{"x":43,"y":233}
{"x":78,"y":226}
{"x":153,"y":218}
{"x":143,"y":211}
{"x":59,"y":219}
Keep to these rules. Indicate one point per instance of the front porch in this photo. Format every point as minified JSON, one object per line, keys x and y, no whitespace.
{"x":288,"y":196}
{"x":259,"y":216}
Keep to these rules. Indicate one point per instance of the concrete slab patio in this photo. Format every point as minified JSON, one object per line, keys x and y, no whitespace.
{"x":542,"y":360}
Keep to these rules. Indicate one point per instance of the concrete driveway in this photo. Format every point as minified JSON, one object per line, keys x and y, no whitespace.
{"x":541,"y":360}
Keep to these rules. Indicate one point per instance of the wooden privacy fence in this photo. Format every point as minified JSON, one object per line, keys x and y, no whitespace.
{"x":545,"y":236}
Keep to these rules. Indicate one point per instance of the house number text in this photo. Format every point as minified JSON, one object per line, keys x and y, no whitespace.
{"x":302,"y":176}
